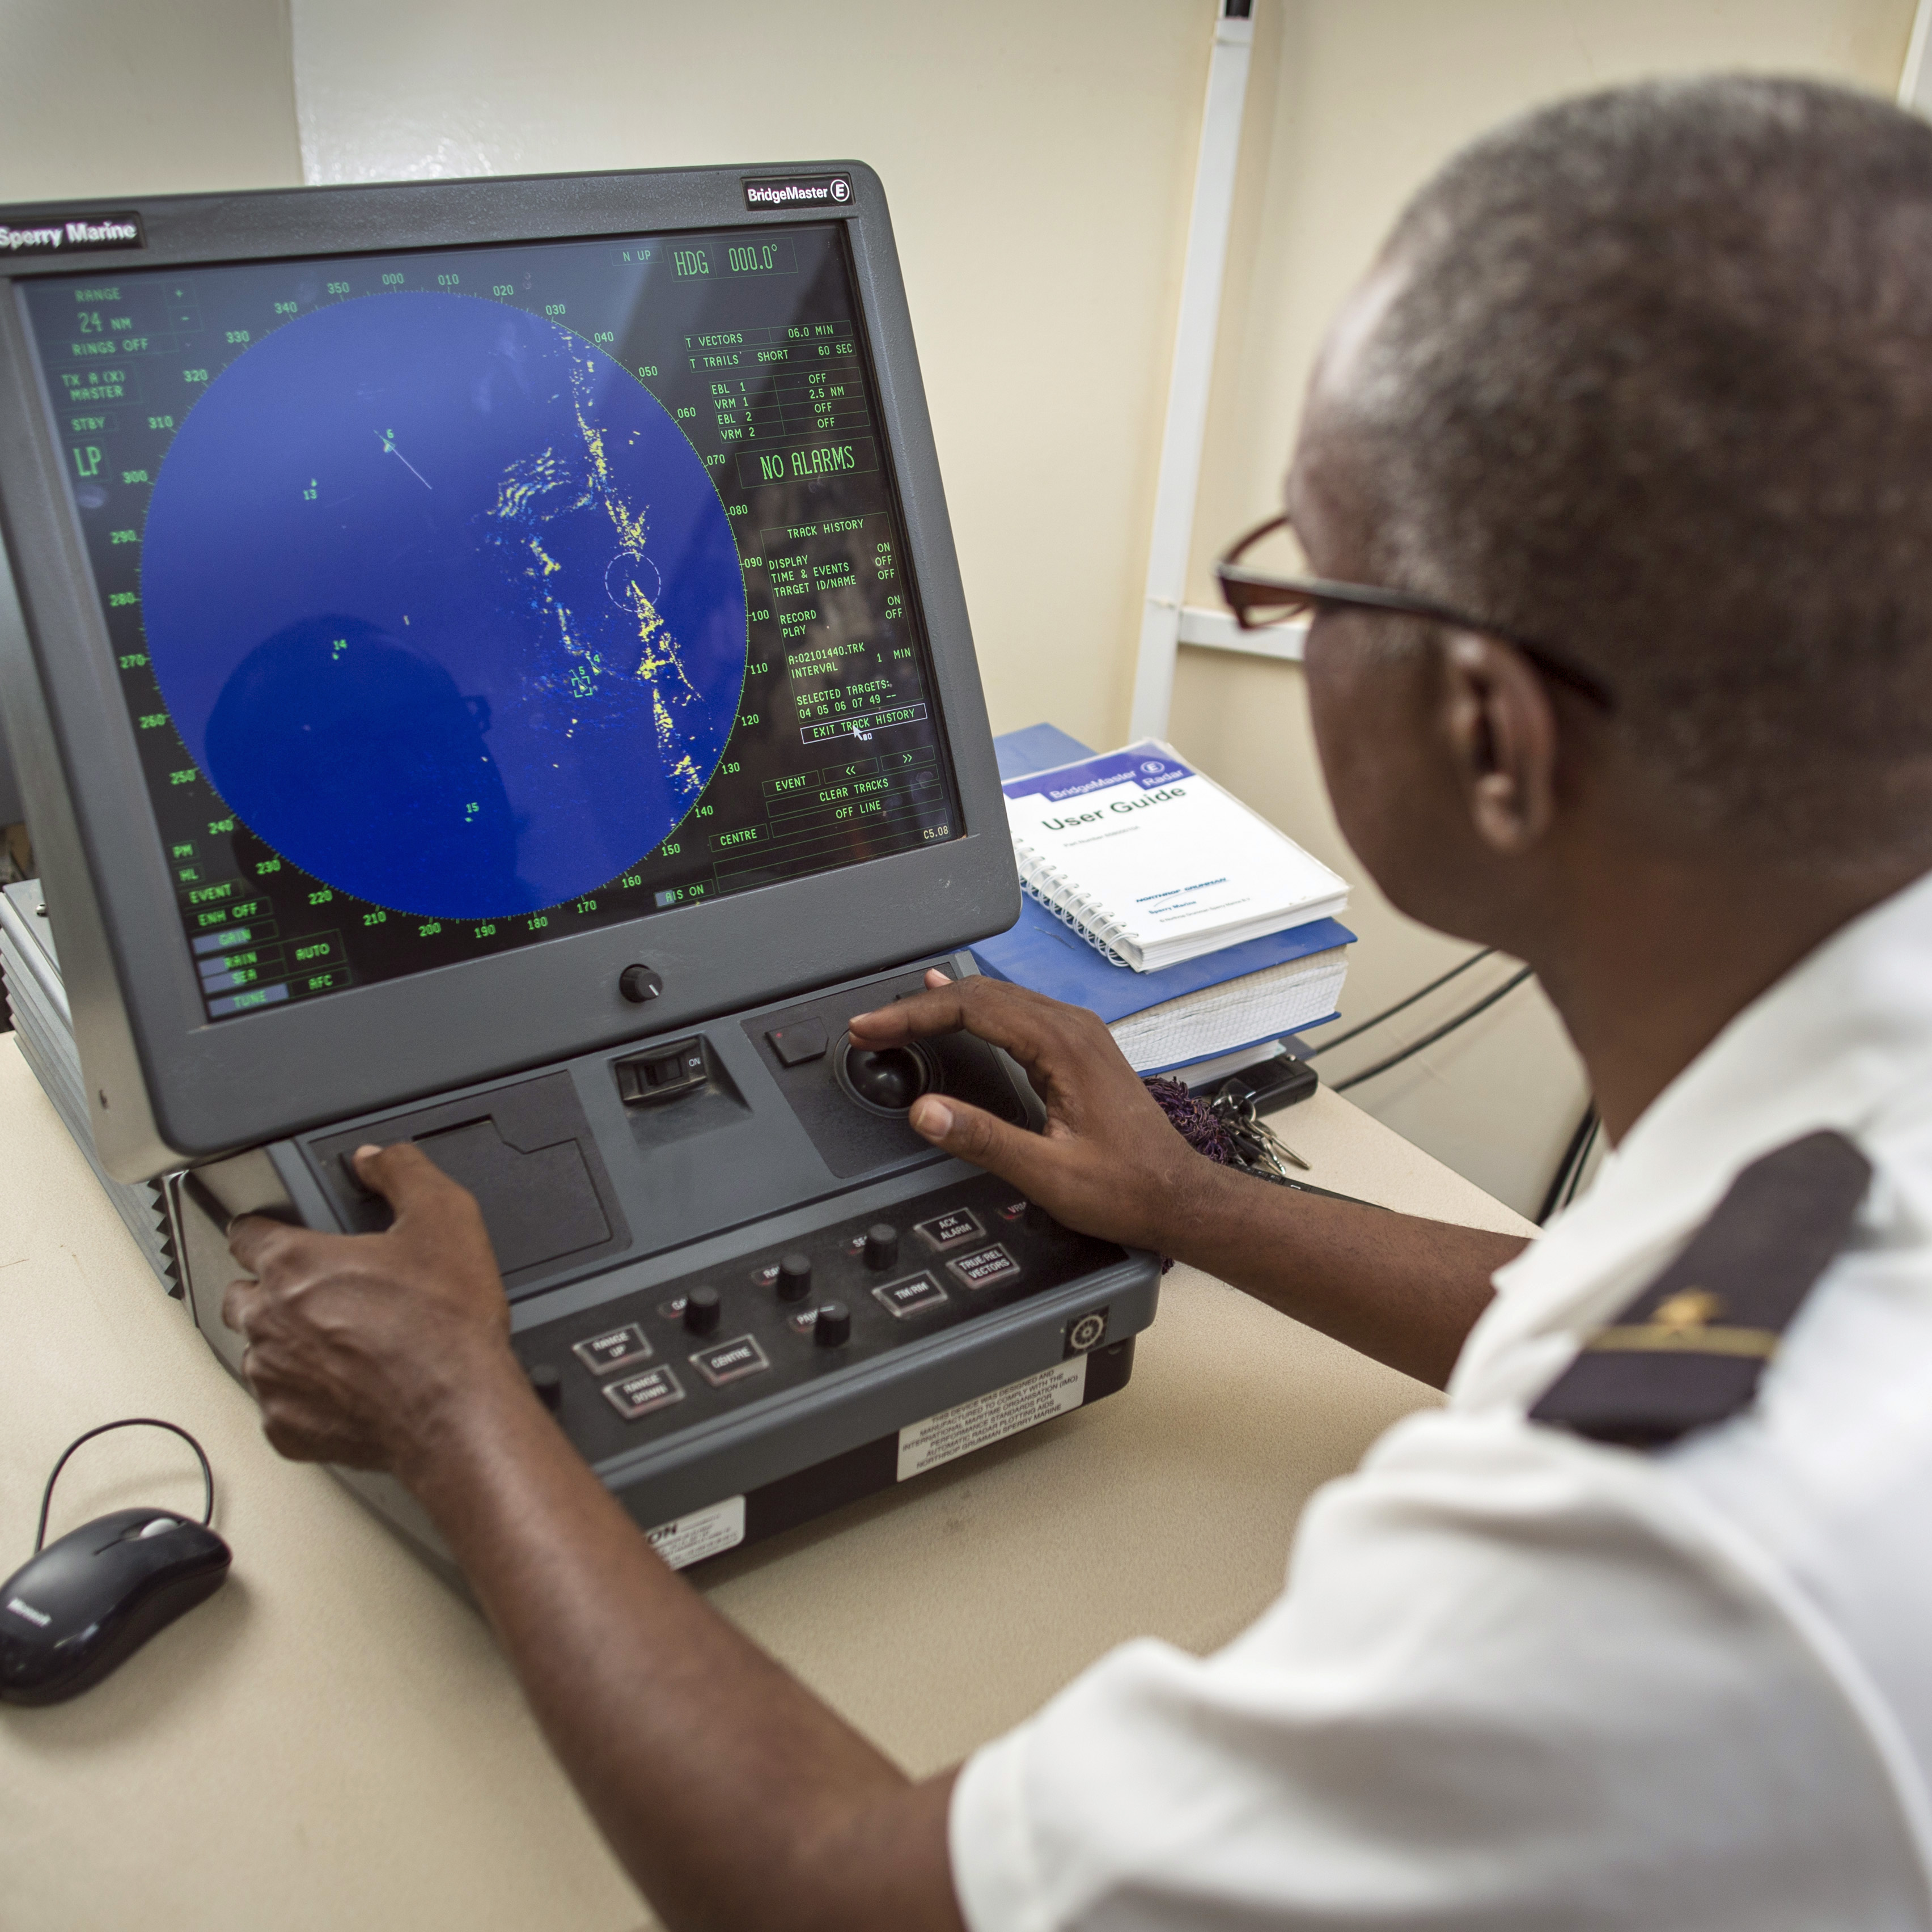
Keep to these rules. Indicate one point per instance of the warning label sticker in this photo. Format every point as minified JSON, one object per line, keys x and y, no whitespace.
{"x":987,"y":1418}
{"x":705,"y":1532}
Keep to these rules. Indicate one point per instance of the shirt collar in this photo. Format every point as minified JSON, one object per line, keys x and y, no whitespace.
{"x":1843,"y":1040}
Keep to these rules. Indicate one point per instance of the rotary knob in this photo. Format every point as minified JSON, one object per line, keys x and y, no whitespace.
{"x":639,"y":984}
{"x":700,"y":1310}
{"x":832,"y":1324}
{"x":882,"y":1245}
{"x":547,"y":1384}
{"x":794,"y":1281}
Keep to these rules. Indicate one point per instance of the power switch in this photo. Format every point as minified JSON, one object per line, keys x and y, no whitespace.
{"x":662,"y":1073}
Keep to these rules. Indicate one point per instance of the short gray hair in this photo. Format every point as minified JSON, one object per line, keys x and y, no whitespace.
{"x":1655,"y":388}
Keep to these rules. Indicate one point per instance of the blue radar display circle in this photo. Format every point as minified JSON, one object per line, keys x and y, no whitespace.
{"x":444,"y":603}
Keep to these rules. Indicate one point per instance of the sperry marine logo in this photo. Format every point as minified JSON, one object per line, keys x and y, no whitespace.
{"x":72,"y":235}
{"x":27,"y":1610}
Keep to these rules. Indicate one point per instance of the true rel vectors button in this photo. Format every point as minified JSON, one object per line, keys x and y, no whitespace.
{"x":909,"y":1296}
{"x":984,"y":1268}
{"x":615,"y":1349}
{"x":948,"y":1230}
{"x":640,"y":1394}
{"x":726,"y":1361}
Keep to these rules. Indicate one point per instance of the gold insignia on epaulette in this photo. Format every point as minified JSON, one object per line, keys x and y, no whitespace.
{"x":1686,"y":1323}
{"x":1688,"y":1309}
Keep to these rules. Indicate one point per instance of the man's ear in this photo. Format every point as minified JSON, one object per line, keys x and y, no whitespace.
{"x":1501,"y":730}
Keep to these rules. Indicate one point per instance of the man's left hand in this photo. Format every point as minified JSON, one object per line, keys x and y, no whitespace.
{"x":362,"y":1349}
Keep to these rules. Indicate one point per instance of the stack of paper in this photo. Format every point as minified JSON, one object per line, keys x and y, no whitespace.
{"x":1252,"y":993}
{"x":1154,"y":864}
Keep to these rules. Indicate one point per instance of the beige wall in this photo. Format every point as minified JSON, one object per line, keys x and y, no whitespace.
{"x":148,"y":96}
{"x":1039,"y":159}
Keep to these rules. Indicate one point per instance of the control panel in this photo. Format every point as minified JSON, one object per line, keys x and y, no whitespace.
{"x":776,"y":1318}
{"x":737,"y":1275}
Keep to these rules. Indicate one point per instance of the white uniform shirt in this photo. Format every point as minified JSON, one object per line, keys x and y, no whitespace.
{"x":1520,"y":1679}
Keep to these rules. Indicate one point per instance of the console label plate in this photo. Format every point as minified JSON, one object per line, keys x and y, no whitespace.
{"x":987,"y":1418}
{"x":706,"y":1532}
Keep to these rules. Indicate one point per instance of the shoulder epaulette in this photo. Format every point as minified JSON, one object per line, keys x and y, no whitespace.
{"x":1689,"y":1349}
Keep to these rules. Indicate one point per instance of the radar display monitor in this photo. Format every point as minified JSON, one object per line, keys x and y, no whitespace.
{"x":453,"y":614}
{"x":462,"y":598}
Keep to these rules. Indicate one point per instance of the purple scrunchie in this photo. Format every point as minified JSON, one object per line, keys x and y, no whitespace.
{"x":1194,"y":1121}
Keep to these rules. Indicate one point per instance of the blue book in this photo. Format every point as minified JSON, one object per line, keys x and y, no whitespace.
{"x":1037,"y":749}
{"x":1042,"y":953}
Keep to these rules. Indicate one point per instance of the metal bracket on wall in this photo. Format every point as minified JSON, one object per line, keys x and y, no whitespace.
{"x":1195,"y":332}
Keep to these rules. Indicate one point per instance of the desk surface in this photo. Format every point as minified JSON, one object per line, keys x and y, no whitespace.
{"x":333,"y":1741}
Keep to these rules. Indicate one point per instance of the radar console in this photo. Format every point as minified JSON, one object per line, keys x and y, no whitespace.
{"x":490,"y":670}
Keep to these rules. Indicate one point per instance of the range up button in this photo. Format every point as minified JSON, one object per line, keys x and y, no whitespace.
{"x":615,"y":1349}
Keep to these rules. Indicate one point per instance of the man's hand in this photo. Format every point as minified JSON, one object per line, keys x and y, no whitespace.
{"x":1402,"y":1290}
{"x":733,"y":1796}
{"x":1109,"y":1162}
{"x":361,"y":1347}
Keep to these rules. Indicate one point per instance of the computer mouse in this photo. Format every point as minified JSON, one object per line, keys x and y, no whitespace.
{"x":83,"y":1605}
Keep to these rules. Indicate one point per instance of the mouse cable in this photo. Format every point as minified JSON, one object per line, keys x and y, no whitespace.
{"x":1463,"y":1019}
{"x":127,"y":1422}
{"x":1389,"y":1012}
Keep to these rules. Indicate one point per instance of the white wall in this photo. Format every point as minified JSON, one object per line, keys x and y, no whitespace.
{"x":148,"y":97}
{"x":1038,"y":160}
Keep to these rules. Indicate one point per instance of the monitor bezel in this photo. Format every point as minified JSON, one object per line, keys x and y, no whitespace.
{"x":166,"y":1087}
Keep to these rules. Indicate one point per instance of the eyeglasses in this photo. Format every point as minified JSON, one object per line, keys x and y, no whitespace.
{"x":1257,"y":599}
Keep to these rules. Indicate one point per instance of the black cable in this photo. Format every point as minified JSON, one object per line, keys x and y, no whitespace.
{"x":1572,"y":1162}
{"x":1429,"y":1039}
{"x":128,"y":1422}
{"x":1389,"y":1012}
{"x":1582,"y":1161}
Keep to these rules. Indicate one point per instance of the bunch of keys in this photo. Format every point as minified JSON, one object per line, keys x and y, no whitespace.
{"x":1258,"y":1148}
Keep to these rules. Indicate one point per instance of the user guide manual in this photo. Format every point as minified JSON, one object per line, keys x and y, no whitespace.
{"x":1155,"y":864}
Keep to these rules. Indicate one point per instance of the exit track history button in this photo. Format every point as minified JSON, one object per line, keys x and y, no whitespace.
{"x":638,"y":1395}
{"x":911,"y":1297}
{"x":615,"y":1349}
{"x":727,"y":1361}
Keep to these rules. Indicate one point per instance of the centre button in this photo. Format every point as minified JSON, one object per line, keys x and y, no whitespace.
{"x":727,"y":1361}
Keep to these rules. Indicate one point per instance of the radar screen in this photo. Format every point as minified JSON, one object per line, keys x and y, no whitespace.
{"x":464,"y":599}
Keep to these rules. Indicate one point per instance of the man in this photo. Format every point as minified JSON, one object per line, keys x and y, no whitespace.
{"x":1637,"y":401}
